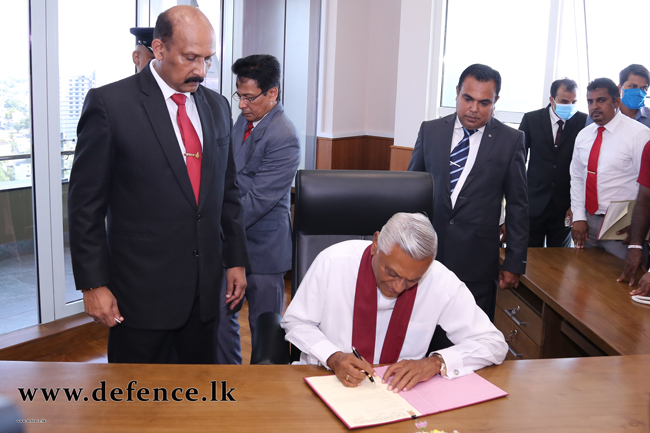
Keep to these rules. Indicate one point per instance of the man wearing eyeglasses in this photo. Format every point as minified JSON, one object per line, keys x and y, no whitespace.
{"x":267,"y":153}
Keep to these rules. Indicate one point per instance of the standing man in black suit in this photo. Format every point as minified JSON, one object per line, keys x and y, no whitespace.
{"x":476,"y":161}
{"x":154,"y":207}
{"x":550,"y":134}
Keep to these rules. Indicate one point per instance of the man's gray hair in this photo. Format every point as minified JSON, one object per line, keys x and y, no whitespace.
{"x":413,"y":233}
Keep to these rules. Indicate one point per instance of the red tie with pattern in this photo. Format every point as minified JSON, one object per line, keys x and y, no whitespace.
{"x":249,"y":128}
{"x":591,"y":197}
{"x":193,"y":154}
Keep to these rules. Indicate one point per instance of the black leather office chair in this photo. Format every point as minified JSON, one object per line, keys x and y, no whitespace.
{"x":333,"y":206}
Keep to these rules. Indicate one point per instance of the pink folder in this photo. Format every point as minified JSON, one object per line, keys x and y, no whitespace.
{"x":437,"y":395}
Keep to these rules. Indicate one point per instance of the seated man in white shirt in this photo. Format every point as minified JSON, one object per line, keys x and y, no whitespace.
{"x":385,"y":298}
{"x":605,"y":165}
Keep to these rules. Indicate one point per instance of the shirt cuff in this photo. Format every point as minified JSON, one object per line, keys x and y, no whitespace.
{"x":454,"y":363}
{"x":580,"y":215}
{"x":323,"y":350}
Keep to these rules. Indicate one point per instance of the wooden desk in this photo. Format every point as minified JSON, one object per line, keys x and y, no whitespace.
{"x":572,"y":305}
{"x":605,"y":394}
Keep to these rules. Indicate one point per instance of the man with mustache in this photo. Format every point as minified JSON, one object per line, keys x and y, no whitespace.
{"x":155,"y":213}
{"x":605,"y":165}
{"x":633,"y":84}
{"x":476,"y":161}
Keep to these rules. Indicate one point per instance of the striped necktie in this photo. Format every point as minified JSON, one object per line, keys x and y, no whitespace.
{"x":458,"y":158}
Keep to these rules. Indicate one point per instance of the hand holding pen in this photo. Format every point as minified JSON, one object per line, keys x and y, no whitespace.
{"x":367,"y":374}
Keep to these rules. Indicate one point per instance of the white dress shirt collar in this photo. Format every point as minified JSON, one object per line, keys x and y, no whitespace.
{"x":554,"y":117}
{"x":164,"y":87}
{"x":611,"y":126}
{"x":458,"y":125}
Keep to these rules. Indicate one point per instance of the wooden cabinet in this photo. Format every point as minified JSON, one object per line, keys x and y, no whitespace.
{"x":533,"y":329}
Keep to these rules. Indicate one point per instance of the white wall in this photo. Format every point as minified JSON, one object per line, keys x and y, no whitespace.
{"x":358,"y":72}
{"x":417,"y":46}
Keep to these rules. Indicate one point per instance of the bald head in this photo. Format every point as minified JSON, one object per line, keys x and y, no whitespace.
{"x":184,"y":44}
{"x":180,"y":17}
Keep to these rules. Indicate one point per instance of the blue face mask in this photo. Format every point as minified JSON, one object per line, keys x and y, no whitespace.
{"x":633,"y":98}
{"x":565,"y":111}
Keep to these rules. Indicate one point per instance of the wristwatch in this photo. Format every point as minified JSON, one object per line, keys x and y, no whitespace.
{"x":443,"y":366}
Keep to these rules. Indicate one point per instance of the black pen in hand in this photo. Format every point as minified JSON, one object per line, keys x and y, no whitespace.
{"x":367,"y":374}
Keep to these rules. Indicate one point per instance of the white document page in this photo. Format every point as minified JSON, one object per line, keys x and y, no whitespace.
{"x":364,"y":405}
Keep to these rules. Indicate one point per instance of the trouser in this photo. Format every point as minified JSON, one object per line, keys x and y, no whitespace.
{"x":193,"y":343}
{"x":613,"y":247}
{"x":549,"y":226}
{"x":264,"y":292}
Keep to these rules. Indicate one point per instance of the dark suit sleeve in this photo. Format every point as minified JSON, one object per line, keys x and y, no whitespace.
{"x":232,"y":215}
{"x":516,"y":193}
{"x":274,"y":176}
{"x":523,"y":127}
{"x":88,"y":194}
{"x":417,"y":157}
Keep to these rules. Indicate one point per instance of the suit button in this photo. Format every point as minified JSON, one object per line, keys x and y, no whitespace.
{"x":196,"y":253}
{"x":198,"y":217}
{"x":554,"y":166}
{"x":451,"y":221}
{"x":552,"y":183}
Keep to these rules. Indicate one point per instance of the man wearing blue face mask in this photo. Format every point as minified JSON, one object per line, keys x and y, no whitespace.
{"x":633,"y":85}
{"x":550,"y":137}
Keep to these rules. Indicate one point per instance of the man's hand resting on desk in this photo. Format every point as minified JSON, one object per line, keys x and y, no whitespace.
{"x":580,"y":233}
{"x":349,"y":369}
{"x":407,"y":373}
{"x":644,"y":286}
{"x":633,"y":262}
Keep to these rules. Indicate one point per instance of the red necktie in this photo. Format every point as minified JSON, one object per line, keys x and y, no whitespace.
{"x":192,"y":144}
{"x":249,"y":128}
{"x":591,"y":197}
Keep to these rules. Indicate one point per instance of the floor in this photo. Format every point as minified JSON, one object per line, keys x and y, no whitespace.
{"x":95,"y":351}
{"x":19,"y":288}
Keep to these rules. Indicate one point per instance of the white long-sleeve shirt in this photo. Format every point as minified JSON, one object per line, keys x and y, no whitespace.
{"x":319,"y":318}
{"x":618,"y":163}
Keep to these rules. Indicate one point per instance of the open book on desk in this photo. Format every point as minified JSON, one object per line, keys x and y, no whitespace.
{"x":368,"y":405}
{"x":618,"y":216}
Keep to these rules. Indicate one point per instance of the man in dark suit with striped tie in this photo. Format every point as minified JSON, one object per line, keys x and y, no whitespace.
{"x":476,"y":161}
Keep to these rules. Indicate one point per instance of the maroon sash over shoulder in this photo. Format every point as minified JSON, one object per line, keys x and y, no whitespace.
{"x":364,"y":322}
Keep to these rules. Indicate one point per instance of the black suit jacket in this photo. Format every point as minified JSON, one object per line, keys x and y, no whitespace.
{"x":548,"y":166}
{"x":157,"y":247}
{"x":468,"y":234}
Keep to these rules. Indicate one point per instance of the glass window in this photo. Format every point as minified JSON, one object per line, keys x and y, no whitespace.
{"x":212,"y":10}
{"x":508,"y":35}
{"x":609,"y":50}
{"x":95,"y":48}
{"x":18,"y":282}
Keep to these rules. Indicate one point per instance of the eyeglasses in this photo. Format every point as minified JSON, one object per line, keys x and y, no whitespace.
{"x":236,"y":96}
